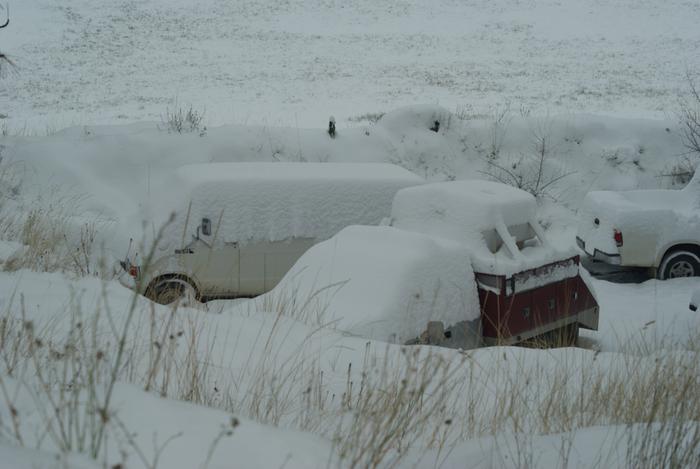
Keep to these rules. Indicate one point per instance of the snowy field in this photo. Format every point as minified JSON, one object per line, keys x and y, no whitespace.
{"x":295,"y":62}
{"x":93,"y":376}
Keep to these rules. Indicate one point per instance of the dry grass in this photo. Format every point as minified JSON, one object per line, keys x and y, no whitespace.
{"x":380,"y":406}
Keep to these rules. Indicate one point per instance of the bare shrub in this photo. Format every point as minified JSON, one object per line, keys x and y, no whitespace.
{"x":499,"y":128}
{"x":183,"y":120}
{"x":370,"y":117}
{"x":689,"y":116}
{"x":681,"y":172}
{"x":531,"y":172}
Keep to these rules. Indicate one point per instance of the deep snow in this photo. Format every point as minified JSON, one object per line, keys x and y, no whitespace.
{"x":83,"y":134}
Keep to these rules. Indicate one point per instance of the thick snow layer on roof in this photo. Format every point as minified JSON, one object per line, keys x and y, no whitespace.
{"x":466,"y":212}
{"x":386,"y":283}
{"x":461,"y":210}
{"x":277,"y":201}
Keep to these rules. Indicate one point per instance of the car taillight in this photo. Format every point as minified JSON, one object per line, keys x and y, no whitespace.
{"x":134,"y":271}
{"x":618,"y":238}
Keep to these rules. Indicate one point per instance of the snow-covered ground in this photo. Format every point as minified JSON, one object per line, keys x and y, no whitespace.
{"x":274,"y":382}
{"x":296,"y":62}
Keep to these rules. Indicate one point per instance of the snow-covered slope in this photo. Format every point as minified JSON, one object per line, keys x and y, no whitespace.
{"x":296,"y":62}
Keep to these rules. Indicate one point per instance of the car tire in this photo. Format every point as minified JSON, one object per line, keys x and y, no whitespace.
{"x":679,"y":264}
{"x":173,"y":291}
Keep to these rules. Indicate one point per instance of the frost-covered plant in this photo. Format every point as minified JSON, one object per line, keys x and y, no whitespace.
{"x":181,"y":120}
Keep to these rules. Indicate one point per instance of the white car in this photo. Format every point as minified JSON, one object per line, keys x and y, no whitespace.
{"x":657,"y":229}
{"x":239,"y":227}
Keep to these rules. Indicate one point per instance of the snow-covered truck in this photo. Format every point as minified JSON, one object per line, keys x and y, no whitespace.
{"x":239,"y":227}
{"x":656,"y":229}
{"x":526,"y":287}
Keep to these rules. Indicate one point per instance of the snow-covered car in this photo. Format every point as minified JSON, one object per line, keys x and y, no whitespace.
{"x":657,"y":229}
{"x":239,"y":227}
{"x":695,"y":300}
{"x":387,"y":284}
{"x":527,"y":288}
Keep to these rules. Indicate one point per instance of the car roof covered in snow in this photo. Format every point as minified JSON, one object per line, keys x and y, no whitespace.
{"x":455,"y":209}
{"x":278,"y":201}
{"x":468,"y":211}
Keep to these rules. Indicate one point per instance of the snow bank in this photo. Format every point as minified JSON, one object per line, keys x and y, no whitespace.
{"x":695,"y":298}
{"x":386,"y":283}
{"x":278,"y":201}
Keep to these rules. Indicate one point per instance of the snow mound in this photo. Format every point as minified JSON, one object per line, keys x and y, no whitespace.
{"x":386,"y":284}
{"x":419,"y":116}
{"x":278,"y":201}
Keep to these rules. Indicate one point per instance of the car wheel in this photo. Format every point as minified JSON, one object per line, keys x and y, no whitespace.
{"x":679,"y":264}
{"x":173,"y":291}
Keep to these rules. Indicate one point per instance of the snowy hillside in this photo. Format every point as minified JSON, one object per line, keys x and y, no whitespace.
{"x":557,"y":98}
{"x":296,"y":62}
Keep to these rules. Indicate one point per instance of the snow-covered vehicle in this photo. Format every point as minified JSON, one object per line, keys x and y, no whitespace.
{"x":526,"y":287}
{"x":657,"y":229}
{"x":461,"y":264}
{"x":239,"y":227}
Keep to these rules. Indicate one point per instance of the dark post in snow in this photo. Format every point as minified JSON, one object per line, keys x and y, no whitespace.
{"x":331,"y":126}
{"x":436,"y":126}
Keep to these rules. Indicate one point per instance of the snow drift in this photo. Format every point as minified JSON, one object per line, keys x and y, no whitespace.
{"x":385,"y":284}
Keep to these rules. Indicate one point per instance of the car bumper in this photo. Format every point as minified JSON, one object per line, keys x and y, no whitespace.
{"x":597,"y":255}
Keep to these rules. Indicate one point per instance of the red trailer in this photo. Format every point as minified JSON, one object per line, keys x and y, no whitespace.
{"x":513,"y":312}
{"x":528,"y":289}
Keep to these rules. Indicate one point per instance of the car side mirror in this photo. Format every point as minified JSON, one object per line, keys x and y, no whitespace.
{"x":206,"y":227}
